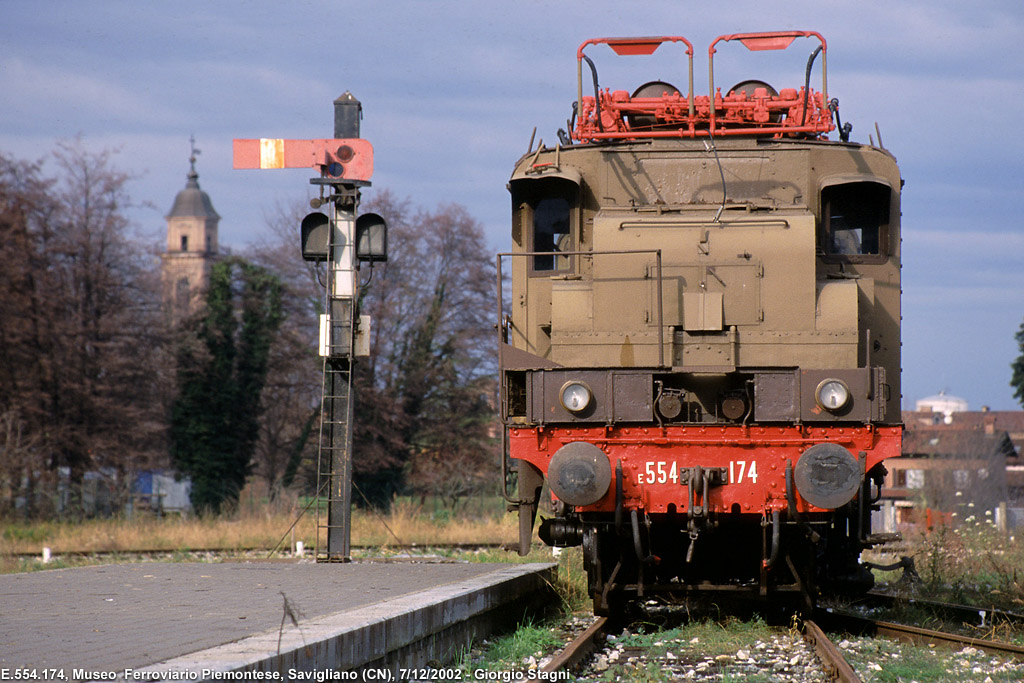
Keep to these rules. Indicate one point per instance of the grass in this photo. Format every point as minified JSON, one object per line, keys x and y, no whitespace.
{"x":709,"y":638}
{"x":511,"y":650}
{"x":879,"y":660}
{"x":970,"y":563}
{"x":252,"y":527}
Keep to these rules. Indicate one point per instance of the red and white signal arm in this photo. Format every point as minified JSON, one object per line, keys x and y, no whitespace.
{"x":344,"y":159}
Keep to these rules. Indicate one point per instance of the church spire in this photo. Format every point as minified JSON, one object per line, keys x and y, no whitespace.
{"x":191,"y":242}
{"x":193,"y":177}
{"x":192,"y":201}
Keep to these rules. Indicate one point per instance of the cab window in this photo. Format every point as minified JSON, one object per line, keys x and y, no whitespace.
{"x":552,"y":233}
{"x":855,"y":221}
{"x":546,"y":213}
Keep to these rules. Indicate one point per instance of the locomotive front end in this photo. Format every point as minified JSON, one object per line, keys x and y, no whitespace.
{"x":700,"y":347}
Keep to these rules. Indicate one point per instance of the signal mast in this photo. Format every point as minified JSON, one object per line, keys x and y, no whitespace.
{"x":342,"y":239}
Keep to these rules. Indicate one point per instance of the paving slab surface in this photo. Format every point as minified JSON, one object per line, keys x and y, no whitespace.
{"x":111,"y":617}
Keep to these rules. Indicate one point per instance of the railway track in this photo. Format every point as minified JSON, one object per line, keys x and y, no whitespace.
{"x":974,"y":615}
{"x":834,"y":665}
{"x":148,"y":552}
{"x":850,"y":623}
{"x":580,"y":647}
{"x":832,"y":659}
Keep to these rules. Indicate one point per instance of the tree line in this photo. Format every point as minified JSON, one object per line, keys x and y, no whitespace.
{"x":97,"y":377}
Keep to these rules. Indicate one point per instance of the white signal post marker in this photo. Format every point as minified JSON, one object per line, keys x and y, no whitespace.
{"x":271,"y":153}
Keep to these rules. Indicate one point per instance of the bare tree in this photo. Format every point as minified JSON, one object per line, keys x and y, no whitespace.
{"x":78,"y":317}
{"x":19,"y":473}
{"x":291,"y":395}
{"x":428,"y":386}
{"x":424,"y":396}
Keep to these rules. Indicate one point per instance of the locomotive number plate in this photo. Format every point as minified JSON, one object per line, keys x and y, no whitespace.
{"x":662,"y":472}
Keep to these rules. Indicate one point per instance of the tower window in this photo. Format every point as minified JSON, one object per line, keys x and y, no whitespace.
{"x":184,"y":242}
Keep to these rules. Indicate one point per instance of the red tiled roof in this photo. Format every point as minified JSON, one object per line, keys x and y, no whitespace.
{"x":942,"y":441}
{"x":1001,"y":420}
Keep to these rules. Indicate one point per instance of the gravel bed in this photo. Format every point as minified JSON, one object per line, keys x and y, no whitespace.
{"x":785,"y":657}
{"x":780,"y":656}
{"x":881,"y":659}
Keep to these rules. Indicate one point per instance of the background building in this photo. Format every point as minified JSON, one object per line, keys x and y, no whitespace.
{"x":191,"y":246}
{"x":956,"y":460}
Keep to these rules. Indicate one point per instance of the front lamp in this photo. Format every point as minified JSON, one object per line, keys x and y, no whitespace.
{"x":832,"y":395}
{"x":575,"y":396}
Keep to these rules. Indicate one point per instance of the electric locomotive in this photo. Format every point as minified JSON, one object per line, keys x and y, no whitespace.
{"x":699,"y":336}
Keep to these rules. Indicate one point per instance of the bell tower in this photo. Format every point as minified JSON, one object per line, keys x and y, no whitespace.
{"x":191,"y":245}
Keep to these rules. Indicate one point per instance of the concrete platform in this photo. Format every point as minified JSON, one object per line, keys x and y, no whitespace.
{"x":191,"y":621}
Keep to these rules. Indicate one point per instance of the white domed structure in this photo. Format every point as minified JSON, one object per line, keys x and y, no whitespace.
{"x":942,"y":403}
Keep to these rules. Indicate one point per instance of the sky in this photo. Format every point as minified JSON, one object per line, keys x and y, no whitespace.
{"x":451,"y":92}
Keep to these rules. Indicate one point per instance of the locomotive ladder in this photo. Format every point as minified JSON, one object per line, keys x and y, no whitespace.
{"x":334,"y":457}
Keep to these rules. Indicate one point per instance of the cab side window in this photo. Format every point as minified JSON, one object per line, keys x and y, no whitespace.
{"x":855,"y":221}
{"x":552,"y":233}
{"x":546,"y":213}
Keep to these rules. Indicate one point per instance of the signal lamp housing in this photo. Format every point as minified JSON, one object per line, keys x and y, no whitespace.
{"x":371,"y":238}
{"x":315,"y":231}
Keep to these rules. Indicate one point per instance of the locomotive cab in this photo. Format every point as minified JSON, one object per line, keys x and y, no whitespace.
{"x":699,"y":349}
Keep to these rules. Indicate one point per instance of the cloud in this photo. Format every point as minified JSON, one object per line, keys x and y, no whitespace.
{"x":67,"y":95}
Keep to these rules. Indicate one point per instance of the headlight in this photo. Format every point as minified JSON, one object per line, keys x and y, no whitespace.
{"x":832,"y":394}
{"x":575,"y":396}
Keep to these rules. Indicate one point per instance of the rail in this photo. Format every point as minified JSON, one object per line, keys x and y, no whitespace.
{"x":579,"y":648}
{"x":836,"y":666}
{"x":914,"y":634}
{"x":967,"y":614}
